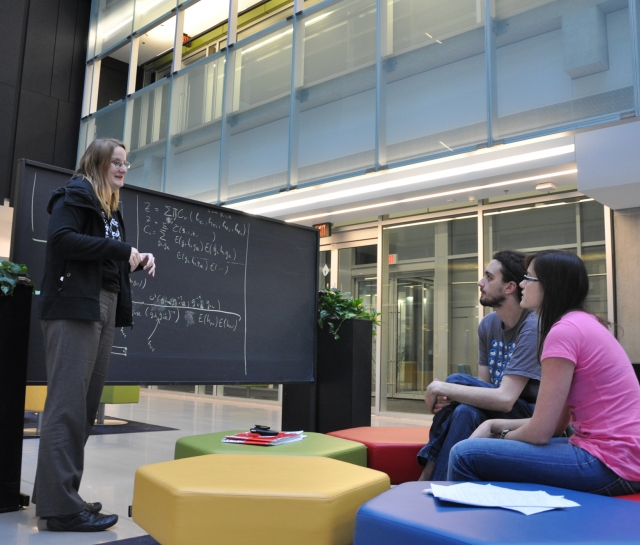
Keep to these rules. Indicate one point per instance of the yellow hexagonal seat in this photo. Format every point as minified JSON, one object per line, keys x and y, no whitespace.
{"x":242,"y":499}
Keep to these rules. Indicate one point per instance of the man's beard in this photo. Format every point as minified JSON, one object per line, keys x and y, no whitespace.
{"x":494,"y":302}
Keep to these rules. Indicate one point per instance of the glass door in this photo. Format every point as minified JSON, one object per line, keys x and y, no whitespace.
{"x":410,"y":334}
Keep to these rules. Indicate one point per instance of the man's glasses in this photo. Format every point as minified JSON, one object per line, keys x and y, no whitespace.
{"x":119,"y":165}
{"x":530,"y":279}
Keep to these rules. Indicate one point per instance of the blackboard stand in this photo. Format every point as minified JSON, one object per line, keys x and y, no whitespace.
{"x":15,"y":312}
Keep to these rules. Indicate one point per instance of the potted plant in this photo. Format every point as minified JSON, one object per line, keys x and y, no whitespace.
{"x":15,"y":313}
{"x":340,"y":398}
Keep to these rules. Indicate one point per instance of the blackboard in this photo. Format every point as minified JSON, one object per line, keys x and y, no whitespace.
{"x":233,"y":300}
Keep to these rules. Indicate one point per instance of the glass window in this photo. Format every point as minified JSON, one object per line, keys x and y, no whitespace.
{"x":558,"y":63}
{"x":258,"y":113}
{"x":106,"y":123}
{"x":113,"y":23}
{"x":147,"y":11}
{"x":324,"y":276}
{"x":530,"y":227}
{"x":146,"y":135}
{"x":114,"y":74}
{"x":336,"y":89}
{"x":435,"y":77}
{"x":193,"y":155}
{"x":412,"y":242}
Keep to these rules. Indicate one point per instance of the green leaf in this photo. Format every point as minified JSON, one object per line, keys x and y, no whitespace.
{"x":339,"y":306}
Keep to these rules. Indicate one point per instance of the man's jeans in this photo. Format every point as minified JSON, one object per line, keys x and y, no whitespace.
{"x":458,"y":421}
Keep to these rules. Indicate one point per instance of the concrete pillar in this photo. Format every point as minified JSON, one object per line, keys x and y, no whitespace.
{"x":627,"y":256}
{"x":584,"y":34}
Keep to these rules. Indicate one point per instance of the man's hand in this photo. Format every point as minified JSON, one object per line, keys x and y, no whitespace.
{"x":431,"y":396}
{"x":441,"y":403}
{"x":148,"y":263}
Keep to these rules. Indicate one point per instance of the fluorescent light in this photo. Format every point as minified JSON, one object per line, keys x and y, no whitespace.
{"x":420,"y":178}
{"x":434,"y":195}
{"x":538,"y":205}
{"x":267,"y":41}
{"x":430,"y":221}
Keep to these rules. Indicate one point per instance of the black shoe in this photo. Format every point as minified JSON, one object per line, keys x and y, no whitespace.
{"x":84,"y":521}
{"x":93,"y":507}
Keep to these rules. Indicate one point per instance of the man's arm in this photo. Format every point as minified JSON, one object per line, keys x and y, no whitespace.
{"x":483,"y":373}
{"x":492,"y":399}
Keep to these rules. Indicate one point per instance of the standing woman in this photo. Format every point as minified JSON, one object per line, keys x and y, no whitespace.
{"x":85,"y":294}
{"x":587,"y":380}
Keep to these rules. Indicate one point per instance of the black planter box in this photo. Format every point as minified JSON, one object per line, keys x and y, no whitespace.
{"x":15,"y":312}
{"x":341,"y":396}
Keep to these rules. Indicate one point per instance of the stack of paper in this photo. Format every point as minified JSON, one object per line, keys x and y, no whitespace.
{"x":487,"y":495}
{"x":250,"y":438}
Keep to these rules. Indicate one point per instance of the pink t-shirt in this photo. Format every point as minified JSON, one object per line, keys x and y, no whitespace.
{"x":604,"y":399}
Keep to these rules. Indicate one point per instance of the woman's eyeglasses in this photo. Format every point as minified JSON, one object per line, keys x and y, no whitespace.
{"x":530,"y":279}
{"x":119,"y":165}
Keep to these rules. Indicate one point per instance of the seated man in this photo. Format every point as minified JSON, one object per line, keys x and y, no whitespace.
{"x":508,"y":368}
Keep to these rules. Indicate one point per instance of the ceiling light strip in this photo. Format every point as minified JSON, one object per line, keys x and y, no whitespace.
{"x":435,"y":195}
{"x":420,"y":178}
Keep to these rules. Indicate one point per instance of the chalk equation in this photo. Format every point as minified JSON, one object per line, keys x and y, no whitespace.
{"x":206,"y":308}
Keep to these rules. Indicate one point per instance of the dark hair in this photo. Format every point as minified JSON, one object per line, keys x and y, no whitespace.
{"x":512,"y":268}
{"x":565,"y":284}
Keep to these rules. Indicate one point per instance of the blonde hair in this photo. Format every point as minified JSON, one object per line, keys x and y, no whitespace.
{"x":94,"y":166}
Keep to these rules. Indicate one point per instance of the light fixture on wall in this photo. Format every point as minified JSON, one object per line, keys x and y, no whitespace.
{"x":547,"y":186}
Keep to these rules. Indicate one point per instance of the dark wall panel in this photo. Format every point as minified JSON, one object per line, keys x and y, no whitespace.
{"x":66,"y":142}
{"x":40,"y":46}
{"x":63,"y":51}
{"x":43,"y":49}
{"x":13,"y":11}
{"x":78,"y":63}
{"x":36,"y":134}
{"x":7,"y":99}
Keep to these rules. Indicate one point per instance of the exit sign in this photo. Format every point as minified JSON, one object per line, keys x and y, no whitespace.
{"x":324,"y":228}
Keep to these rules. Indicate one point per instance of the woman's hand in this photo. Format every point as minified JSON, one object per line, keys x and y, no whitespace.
{"x":483,"y":431}
{"x":148,"y":263}
{"x":134,"y":259}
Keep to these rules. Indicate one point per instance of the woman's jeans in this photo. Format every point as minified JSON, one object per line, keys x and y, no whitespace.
{"x":457,"y":422}
{"x":558,"y":463}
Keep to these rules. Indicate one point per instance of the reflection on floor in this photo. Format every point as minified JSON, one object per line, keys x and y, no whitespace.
{"x":111,"y":460}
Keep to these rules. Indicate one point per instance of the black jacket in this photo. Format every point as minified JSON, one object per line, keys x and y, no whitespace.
{"x":76,"y":247}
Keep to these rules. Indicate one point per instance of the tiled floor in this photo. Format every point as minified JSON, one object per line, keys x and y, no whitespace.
{"x":111,"y":460}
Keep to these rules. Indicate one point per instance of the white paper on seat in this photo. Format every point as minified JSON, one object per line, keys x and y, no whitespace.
{"x":488,"y":495}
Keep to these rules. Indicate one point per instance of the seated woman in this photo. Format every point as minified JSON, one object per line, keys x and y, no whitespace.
{"x":587,"y":379}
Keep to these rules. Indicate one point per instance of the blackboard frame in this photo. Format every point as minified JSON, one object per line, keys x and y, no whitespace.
{"x":22,"y":251}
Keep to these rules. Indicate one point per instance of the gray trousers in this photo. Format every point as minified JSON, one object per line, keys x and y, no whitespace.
{"x":78,"y":354}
